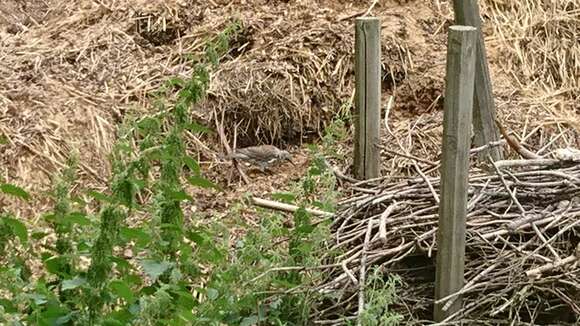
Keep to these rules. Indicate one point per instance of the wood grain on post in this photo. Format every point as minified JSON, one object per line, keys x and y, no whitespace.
{"x":467,"y":14}
{"x":458,"y":110}
{"x":368,"y":98}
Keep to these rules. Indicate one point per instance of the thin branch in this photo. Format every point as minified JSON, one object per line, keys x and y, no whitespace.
{"x":288,"y":207}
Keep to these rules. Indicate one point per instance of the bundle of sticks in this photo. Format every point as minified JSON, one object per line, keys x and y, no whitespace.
{"x":522,"y":260}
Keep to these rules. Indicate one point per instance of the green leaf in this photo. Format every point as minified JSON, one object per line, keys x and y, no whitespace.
{"x":134,"y":280}
{"x":176,"y":81}
{"x":78,"y":218}
{"x":314,"y":171}
{"x":154,"y":155}
{"x":148,"y":125}
{"x":18,"y":228}
{"x":305,"y":229}
{"x":196,"y":237}
{"x":302,"y":221}
{"x":186,"y":315}
{"x":55,"y":315}
{"x":167,"y":154}
{"x":202,"y":182}
{"x":211,"y":253}
{"x":154,"y":269}
{"x":9,"y":307}
{"x":192,"y":164}
{"x":83,"y":246}
{"x":73,"y":284}
{"x":177,"y":195}
{"x":55,"y":264}
{"x":170,"y":227}
{"x":325,"y":206}
{"x":185,"y":252}
{"x":284,"y":197}
{"x":118,"y":318}
{"x":99,"y":196}
{"x":39,"y":299}
{"x":3,"y":139}
{"x":283,"y":283}
{"x":79,"y":200}
{"x":15,"y":191}
{"x":139,"y":184}
{"x":249,"y":321}
{"x":122,"y":263}
{"x":39,"y":235}
{"x":63,"y":320}
{"x":212,"y":294}
{"x":138,"y":234}
{"x":51,"y":218}
{"x":122,"y":289}
{"x":185,"y":300}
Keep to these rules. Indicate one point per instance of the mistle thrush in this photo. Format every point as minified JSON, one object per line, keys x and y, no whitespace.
{"x":261,"y":156}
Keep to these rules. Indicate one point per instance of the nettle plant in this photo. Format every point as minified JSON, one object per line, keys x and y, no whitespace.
{"x":87,"y":276}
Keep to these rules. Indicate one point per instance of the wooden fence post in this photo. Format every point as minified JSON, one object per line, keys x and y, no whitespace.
{"x":458,"y":109}
{"x":368,"y":98}
{"x":467,"y":14}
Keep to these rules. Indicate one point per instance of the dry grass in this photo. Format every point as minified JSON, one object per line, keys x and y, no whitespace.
{"x":542,"y":42}
{"x":533,"y":52}
{"x":71,"y":71}
{"x":539,"y":42}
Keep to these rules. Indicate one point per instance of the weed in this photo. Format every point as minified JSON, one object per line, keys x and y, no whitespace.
{"x":114,"y":290}
{"x":335,"y":132}
{"x":137,"y":261}
{"x":379,"y":295}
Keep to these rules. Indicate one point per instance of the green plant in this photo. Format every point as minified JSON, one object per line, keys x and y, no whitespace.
{"x":379,"y":295}
{"x":112,"y":289}
{"x":60,"y":259}
{"x":335,"y":132}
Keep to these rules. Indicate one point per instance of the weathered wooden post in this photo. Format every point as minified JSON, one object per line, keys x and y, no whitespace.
{"x":367,"y":97}
{"x":461,"y":49}
{"x":467,"y":14}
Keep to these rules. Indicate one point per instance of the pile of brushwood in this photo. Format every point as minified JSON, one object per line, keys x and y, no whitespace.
{"x":522,"y":253}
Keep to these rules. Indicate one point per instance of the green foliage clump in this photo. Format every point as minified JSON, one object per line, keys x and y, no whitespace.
{"x":111,"y":289}
{"x":379,"y":295}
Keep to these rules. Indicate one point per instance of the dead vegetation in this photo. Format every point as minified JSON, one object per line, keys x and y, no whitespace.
{"x":86,"y":64}
{"x":73,"y":70}
{"x":522,"y":252}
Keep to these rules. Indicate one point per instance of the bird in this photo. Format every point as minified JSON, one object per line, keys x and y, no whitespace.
{"x":262,"y":156}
